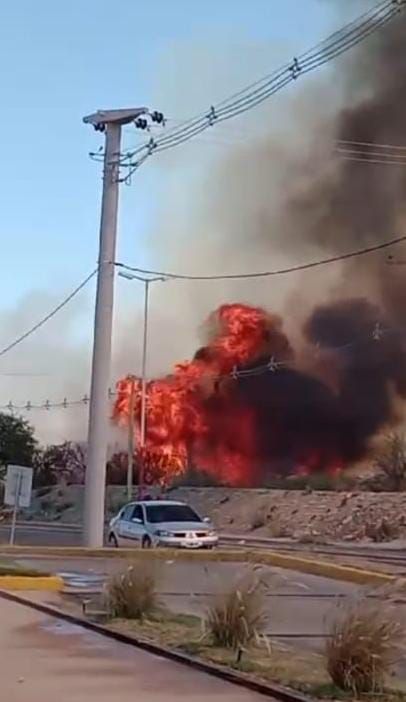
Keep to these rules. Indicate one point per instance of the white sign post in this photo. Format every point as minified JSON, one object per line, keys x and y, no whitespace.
{"x":18,"y":492}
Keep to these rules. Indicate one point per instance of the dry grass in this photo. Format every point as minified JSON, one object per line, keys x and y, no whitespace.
{"x":131,"y":594}
{"x":238,"y":616}
{"x":382,"y":531}
{"x":184,"y":633}
{"x":365,"y":641}
{"x":391,"y":462}
{"x":278,"y":530}
{"x":258,"y":519}
{"x":302,"y":670}
{"x":166,"y":628}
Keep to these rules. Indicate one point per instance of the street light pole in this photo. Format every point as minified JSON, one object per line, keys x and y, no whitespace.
{"x":130,"y":452}
{"x":141,"y":471}
{"x":143,"y":418}
{"x":110,"y":122}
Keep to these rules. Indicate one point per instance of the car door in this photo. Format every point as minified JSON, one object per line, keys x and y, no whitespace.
{"x":136,"y":526}
{"x":123,"y":527}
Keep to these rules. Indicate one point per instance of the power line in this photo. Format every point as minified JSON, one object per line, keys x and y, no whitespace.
{"x":289,"y":71}
{"x":48,"y":405}
{"x":377,"y":334}
{"x":232,"y":137}
{"x":339,"y":42}
{"x":239,"y":136}
{"x":265,"y":274}
{"x":373,"y":144}
{"x":367,"y":153}
{"x":49,"y":316}
{"x":370,"y":153}
{"x":381,"y":161}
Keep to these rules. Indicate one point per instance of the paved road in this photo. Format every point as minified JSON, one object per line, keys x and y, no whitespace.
{"x":56,"y":534}
{"x":297,"y":603}
{"x":43,"y":659}
{"x":42,"y":535}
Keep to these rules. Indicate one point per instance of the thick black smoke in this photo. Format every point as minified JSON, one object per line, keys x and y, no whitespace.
{"x":357,"y":204}
{"x":304,"y":422}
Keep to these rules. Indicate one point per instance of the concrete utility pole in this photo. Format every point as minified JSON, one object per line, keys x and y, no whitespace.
{"x":110,"y":122}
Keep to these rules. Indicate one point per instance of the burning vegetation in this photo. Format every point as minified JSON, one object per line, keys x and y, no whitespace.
{"x":243,"y":409}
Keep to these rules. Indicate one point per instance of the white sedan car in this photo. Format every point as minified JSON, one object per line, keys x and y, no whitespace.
{"x":161,"y":523}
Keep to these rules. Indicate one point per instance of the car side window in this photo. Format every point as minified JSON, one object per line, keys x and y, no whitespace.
{"x":127,"y":513}
{"x":137,"y":513}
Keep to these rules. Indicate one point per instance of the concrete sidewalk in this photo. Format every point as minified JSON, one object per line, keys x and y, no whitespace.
{"x":44,"y":659}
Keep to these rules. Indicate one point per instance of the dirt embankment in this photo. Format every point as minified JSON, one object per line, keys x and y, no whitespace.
{"x":300,"y":514}
{"x":275,"y":513}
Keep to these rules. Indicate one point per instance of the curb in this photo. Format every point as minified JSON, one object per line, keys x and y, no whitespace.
{"x":325,"y":569}
{"x":273,"y":690}
{"x":47,"y":583}
{"x":333,"y":571}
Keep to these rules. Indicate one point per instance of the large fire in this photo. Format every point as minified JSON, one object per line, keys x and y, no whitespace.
{"x":229,"y":411}
{"x":242,"y":409}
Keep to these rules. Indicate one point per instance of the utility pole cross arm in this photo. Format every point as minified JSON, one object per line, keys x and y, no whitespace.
{"x":119,"y":117}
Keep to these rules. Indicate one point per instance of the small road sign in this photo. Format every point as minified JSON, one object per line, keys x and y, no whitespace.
{"x":18,"y":492}
{"x":18,"y":486}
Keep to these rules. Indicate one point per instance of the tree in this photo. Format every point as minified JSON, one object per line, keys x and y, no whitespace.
{"x":58,"y":462}
{"x":17,"y":441}
{"x":117,"y":466}
{"x":391,"y":462}
{"x":158,"y":467}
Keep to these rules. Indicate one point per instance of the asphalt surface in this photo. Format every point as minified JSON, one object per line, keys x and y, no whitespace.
{"x":53,"y":535}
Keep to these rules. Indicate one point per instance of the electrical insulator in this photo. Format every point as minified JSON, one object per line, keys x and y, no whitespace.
{"x":157,"y":117}
{"x":141,"y":123}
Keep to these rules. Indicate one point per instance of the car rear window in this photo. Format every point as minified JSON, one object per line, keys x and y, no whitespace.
{"x":171,"y":513}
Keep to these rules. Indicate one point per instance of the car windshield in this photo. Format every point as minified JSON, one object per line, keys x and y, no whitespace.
{"x":171,"y":513}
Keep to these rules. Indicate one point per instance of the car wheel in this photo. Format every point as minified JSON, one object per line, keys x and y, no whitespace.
{"x":113,"y":540}
{"x":146,"y":542}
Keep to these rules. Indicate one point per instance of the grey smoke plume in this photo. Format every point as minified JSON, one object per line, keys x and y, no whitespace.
{"x":299,"y":197}
{"x":50,"y":365}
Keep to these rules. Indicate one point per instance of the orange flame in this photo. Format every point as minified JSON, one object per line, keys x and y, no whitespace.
{"x":194,"y":416}
{"x":176,"y":417}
